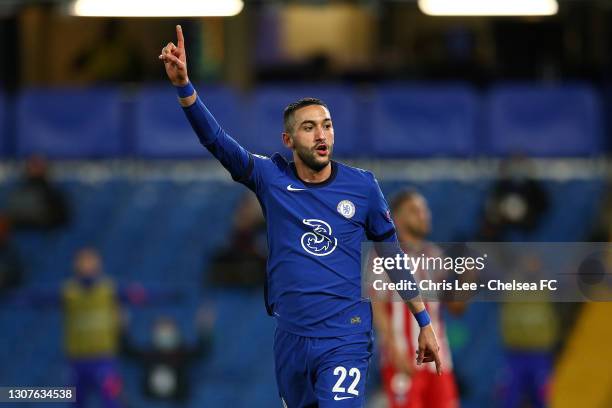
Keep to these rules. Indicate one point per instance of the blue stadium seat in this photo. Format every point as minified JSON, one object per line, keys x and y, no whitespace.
{"x":68,"y":123}
{"x":162,"y":130}
{"x":543,"y":121}
{"x":419,"y":120}
{"x":266,"y":117}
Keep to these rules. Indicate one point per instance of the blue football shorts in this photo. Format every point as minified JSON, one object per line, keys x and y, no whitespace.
{"x":322,"y":371}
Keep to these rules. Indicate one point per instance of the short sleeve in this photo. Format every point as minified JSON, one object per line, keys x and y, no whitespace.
{"x":379,"y":225}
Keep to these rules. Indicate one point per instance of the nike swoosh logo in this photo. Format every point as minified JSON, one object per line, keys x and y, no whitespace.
{"x":291,"y":188}
{"x":337,"y":398}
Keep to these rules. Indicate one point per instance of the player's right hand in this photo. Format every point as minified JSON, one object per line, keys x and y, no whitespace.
{"x":429,"y":351}
{"x":175,"y":60}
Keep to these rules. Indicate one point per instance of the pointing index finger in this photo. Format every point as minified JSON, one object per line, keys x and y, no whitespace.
{"x":179,"y":37}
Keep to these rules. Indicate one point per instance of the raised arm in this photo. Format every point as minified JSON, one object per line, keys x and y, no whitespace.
{"x":232,"y":156}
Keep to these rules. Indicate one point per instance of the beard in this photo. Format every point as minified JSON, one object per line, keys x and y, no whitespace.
{"x":417,"y":231}
{"x":310,"y":158}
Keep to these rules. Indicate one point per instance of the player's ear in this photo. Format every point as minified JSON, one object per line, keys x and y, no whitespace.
{"x":287,"y":140}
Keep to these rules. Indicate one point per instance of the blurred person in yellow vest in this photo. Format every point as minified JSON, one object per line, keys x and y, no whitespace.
{"x":91,"y":307}
{"x":93,"y":322}
{"x":530,"y":332}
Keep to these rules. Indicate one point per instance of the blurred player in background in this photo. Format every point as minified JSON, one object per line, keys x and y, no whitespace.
{"x":530,"y":332}
{"x":91,"y":304}
{"x":92,"y":327}
{"x":318,"y":213}
{"x":406,"y":384}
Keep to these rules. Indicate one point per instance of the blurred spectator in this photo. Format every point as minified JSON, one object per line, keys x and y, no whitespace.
{"x":167,"y":361}
{"x":516,"y":202}
{"x":530,"y":333}
{"x":243,"y":261}
{"x":11,"y":268}
{"x":36,"y":203}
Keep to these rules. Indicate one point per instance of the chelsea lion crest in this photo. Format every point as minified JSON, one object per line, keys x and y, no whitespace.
{"x":346,"y":208}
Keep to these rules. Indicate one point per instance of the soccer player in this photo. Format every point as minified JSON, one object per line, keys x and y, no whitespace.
{"x":318,"y":212}
{"x":408,"y":385}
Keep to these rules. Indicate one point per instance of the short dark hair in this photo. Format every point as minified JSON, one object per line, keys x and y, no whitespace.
{"x":401,"y":197}
{"x":292,"y":107}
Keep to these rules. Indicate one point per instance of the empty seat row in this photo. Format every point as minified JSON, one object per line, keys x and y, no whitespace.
{"x":389,"y":120}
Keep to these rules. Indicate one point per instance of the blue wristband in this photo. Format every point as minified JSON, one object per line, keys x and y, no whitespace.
{"x":185,"y":91}
{"x":422,"y":318}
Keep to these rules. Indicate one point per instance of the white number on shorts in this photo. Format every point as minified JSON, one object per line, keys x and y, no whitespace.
{"x":341,"y":371}
{"x":353,"y":372}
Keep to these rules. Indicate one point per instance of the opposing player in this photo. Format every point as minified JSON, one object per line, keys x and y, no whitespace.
{"x":406,"y":384}
{"x":318,"y":212}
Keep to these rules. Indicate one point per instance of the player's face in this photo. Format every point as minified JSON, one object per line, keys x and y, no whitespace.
{"x":312,"y":139}
{"x":414,"y":216}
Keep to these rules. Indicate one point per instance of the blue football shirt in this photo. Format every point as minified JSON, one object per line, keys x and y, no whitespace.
{"x":314,"y":232}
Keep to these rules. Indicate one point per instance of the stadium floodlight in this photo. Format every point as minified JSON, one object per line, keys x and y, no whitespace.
{"x":489,"y":7}
{"x":156,"y":8}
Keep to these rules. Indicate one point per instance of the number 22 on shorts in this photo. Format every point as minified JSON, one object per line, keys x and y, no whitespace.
{"x":353,"y":373}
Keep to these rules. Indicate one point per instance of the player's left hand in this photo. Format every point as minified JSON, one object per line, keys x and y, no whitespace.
{"x":429,"y":350}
